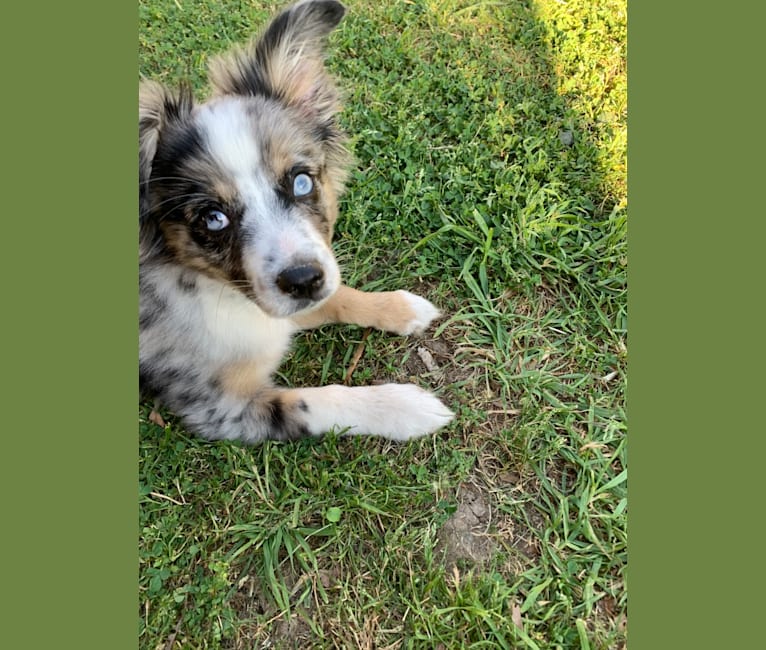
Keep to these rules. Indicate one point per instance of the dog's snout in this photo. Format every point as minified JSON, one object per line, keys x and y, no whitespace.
{"x":304,"y":281}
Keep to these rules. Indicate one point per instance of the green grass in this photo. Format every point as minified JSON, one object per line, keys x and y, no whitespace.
{"x":490,"y":140}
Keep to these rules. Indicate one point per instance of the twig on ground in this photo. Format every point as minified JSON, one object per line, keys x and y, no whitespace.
{"x":357,"y":356}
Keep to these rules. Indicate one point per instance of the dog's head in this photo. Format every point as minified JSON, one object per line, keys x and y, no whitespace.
{"x":244,"y":186}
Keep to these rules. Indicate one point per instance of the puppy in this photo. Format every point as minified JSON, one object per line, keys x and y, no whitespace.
{"x":238,"y":197}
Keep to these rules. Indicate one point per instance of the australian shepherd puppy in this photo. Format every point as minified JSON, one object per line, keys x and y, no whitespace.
{"x":238,"y":198}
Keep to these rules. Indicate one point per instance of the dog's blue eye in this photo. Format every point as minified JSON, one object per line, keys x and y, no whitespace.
{"x":302,"y":185}
{"x":216,"y":220}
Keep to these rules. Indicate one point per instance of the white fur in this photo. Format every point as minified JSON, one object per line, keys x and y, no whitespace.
{"x":227,"y":128}
{"x":425,"y":312}
{"x":238,"y":329}
{"x":282,"y":243}
{"x":394,"y":411}
{"x":233,"y":327}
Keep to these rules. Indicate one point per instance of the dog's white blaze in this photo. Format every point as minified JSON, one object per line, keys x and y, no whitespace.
{"x":228,"y":133}
{"x":283,"y":242}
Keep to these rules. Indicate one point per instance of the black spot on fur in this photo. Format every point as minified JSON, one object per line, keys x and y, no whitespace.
{"x":328,"y":12}
{"x":147,"y":318}
{"x":149,"y":294}
{"x":215,"y":418}
{"x":277,"y":413}
{"x":144,"y":381}
{"x":295,"y":432}
{"x":187,"y":283}
{"x":178,"y":144}
{"x":326,"y":131}
{"x":303,"y":406}
{"x":180,"y":106}
{"x":186,"y":399}
{"x":283,"y":426}
{"x":171,"y":375}
{"x":169,"y":110}
{"x":285,"y":196}
{"x":168,"y":185}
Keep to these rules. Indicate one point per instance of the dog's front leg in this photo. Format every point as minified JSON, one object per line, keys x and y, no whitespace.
{"x":240,"y":403}
{"x":400,"y":312}
{"x":395,"y":411}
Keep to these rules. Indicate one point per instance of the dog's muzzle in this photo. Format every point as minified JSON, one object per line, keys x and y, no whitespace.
{"x":304,"y":282}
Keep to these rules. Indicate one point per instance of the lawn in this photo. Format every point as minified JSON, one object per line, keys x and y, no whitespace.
{"x":490,"y":177}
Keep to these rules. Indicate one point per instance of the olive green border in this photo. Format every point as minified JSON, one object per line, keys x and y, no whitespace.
{"x":70,"y":325}
{"x":696,"y":233}
{"x":695,"y":245}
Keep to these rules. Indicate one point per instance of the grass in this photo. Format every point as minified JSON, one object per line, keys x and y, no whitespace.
{"x":490,"y":140}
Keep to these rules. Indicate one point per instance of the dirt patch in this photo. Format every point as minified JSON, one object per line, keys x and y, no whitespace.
{"x":289,"y":634}
{"x":279,"y":632}
{"x":465,"y":537}
{"x":431,"y":359}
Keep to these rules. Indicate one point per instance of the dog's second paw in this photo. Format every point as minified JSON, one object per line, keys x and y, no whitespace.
{"x":420,"y":314}
{"x":394,"y":411}
{"x":404,"y":412}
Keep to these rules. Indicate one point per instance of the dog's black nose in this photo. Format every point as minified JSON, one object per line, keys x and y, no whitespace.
{"x":303,"y":281}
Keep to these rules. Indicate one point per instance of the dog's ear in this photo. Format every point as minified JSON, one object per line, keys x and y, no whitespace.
{"x":286,"y":62}
{"x":157,"y":107}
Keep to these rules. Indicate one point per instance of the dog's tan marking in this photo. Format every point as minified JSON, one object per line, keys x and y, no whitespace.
{"x":224,"y":191}
{"x":186,"y":251}
{"x":244,"y":379}
{"x":292,"y":400}
{"x":285,"y":147}
{"x":383,"y":310}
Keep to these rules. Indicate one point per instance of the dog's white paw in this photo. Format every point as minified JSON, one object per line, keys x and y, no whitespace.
{"x":423,"y":313}
{"x":404,"y":412}
{"x":394,"y":411}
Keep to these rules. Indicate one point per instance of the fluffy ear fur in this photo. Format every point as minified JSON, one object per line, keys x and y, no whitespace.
{"x":157,"y":107}
{"x":286,"y":62}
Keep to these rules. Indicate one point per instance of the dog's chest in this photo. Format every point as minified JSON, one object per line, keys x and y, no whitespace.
{"x":236,"y":329}
{"x":216,"y":325}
